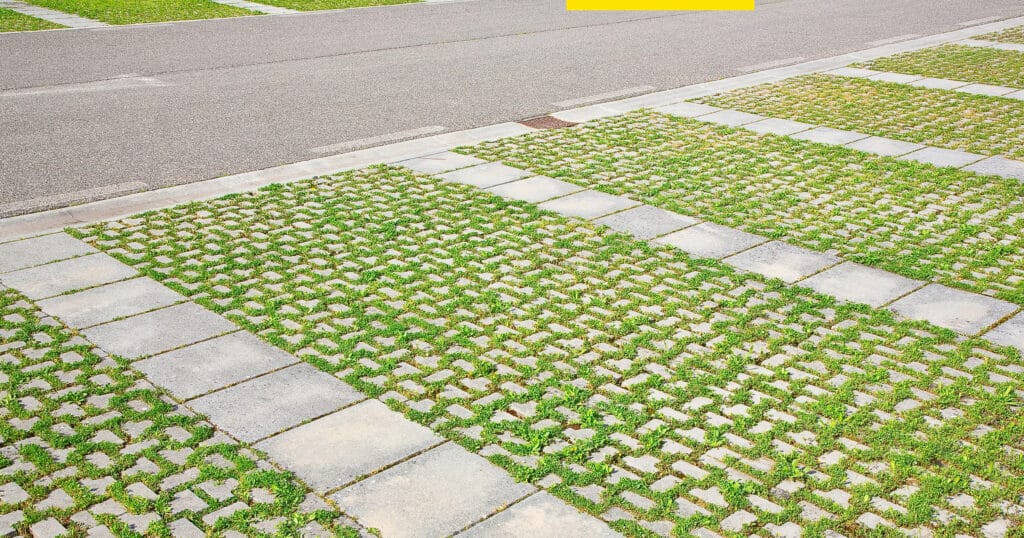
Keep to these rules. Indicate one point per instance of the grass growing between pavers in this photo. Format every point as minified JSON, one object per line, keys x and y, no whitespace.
{"x":940,"y":224}
{"x":1010,"y":35}
{"x":313,"y":5}
{"x":958,"y":62}
{"x":88,"y":446}
{"x":664,"y":394}
{"x":137,"y":11}
{"x":942,"y":118}
{"x":12,"y":21}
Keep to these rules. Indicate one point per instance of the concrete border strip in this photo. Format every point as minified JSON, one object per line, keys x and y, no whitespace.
{"x":973,"y":88}
{"x":39,"y":223}
{"x":57,"y":17}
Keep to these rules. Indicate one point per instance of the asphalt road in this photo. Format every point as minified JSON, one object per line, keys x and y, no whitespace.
{"x":88,"y":114}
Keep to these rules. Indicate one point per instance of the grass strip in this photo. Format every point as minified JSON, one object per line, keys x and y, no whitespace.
{"x":12,"y":21}
{"x":137,"y":11}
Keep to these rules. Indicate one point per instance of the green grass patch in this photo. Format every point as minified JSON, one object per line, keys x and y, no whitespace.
{"x":1011,"y":35}
{"x":660,"y":392}
{"x":942,"y":118}
{"x":920,"y":221}
{"x":958,"y":62}
{"x":136,"y":11}
{"x":313,"y":5}
{"x":92,"y":445}
{"x":12,"y":21}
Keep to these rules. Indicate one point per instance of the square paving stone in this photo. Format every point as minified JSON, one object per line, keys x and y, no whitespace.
{"x":898,"y":78}
{"x":688,"y":110}
{"x":485,"y":175}
{"x":334,"y":450}
{"x":535,"y":189}
{"x":937,"y":83}
{"x":999,"y":166}
{"x":434,"y":494}
{"x":645,"y":222}
{"x":828,"y":135}
{"x":985,"y":89}
{"x":778,"y":126}
{"x":856,"y":283}
{"x":884,"y":146}
{"x":1009,"y":333}
{"x":942,"y":157}
{"x":39,"y":250}
{"x":732,"y":118}
{"x":74,"y":274}
{"x":588,"y":204}
{"x":540,"y":515}
{"x":158,"y":331}
{"x":964,"y":312}
{"x":709,"y":240}
{"x":782,"y":260}
{"x":1015,"y":95}
{"x":200,"y":368}
{"x":440,"y":162}
{"x":275,"y":402}
{"x":102,"y":304}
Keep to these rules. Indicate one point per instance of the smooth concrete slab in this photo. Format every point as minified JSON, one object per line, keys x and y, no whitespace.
{"x":588,"y":204}
{"x":440,"y":162}
{"x":986,"y":89}
{"x":434,"y":494}
{"x":688,"y":110}
{"x":1009,"y":333}
{"x":898,"y":78}
{"x":485,"y":175}
{"x":212,"y":364}
{"x":828,"y":135}
{"x":778,"y":126}
{"x":943,"y":157}
{"x":535,"y":189}
{"x":964,"y":312}
{"x":782,"y":260}
{"x":158,"y":331}
{"x":937,"y":83}
{"x":335,"y":450}
{"x":112,"y":301}
{"x":710,"y":240}
{"x":646,"y":222}
{"x":999,"y":166}
{"x":732,"y":118}
{"x":540,"y":515}
{"x":275,"y":402}
{"x":1015,"y":95}
{"x":856,"y":283}
{"x":39,"y":250}
{"x":68,"y":275}
{"x":884,"y":146}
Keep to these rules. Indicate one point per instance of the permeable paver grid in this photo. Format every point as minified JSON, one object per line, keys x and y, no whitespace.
{"x":90,"y":447}
{"x":663,"y":393}
{"x":957,"y":62}
{"x":922,"y":222}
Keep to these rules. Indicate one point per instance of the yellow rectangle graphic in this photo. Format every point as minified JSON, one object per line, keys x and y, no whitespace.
{"x":659,"y":5}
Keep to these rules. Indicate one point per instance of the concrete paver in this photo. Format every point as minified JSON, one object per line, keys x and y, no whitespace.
{"x":105,"y":303}
{"x":200,"y":368}
{"x":588,"y":204}
{"x":943,"y":157}
{"x":710,"y":240}
{"x":540,"y":515}
{"x":63,"y":276}
{"x":277,"y":401}
{"x":828,"y":135}
{"x":535,"y":189}
{"x":39,"y":250}
{"x":857,"y":283}
{"x":999,"y":166}
{"x":884,"y":146}
{"x":434,"y":494}
{"x":440,"y":163}
{"x":336,"y":449}
{"x":964,"y":312}
{"x":485,"y":175}
{"x":1009,"y":333}
{"x":158,"y":331}
{"x":646,"y":222}
{"x":782,"y":260}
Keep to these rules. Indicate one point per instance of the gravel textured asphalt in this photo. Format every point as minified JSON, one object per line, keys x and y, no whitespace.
{"x":88,"y":114}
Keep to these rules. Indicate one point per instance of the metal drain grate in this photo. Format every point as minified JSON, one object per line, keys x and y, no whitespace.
{"x":546,"y":122}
